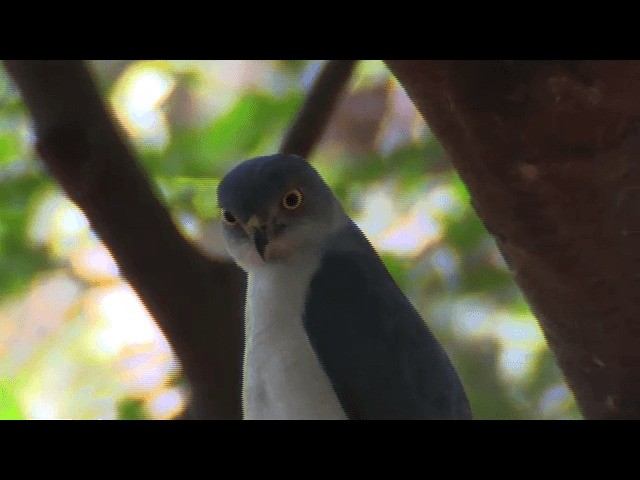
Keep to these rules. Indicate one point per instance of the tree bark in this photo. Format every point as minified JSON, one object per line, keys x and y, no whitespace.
{"x":550,"y":154}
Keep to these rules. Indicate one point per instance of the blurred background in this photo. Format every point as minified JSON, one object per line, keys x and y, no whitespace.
{"x":75,"y":342}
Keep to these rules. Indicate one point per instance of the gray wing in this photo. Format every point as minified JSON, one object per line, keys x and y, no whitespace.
{"x":382,"y":360}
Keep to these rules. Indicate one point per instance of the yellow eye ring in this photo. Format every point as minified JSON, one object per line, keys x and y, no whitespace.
{"x":228,"y":217}
{"x":292,"y":199}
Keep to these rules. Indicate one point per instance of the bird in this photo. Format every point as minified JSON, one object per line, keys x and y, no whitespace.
{"x":329,"y":335}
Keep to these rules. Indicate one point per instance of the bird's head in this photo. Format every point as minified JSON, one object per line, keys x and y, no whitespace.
{"x":275,"y":208}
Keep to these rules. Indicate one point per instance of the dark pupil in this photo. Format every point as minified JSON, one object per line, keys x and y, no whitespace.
{"x":229,"y":217}
{"x":291,"y":200}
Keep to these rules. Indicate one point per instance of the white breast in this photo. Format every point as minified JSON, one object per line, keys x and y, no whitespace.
{"x":282,"y":376}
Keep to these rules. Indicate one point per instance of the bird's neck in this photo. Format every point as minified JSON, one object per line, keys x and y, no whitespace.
{"x":282,"y":377}
{"x":276,"y":293}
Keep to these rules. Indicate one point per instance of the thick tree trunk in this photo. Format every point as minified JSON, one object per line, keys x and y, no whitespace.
{"x":550,"y":152}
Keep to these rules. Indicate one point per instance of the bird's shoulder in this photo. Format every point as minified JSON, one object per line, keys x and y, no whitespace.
{"x":349,"y":256}
{"x":350,"y":273}
{"x":381,"y":358}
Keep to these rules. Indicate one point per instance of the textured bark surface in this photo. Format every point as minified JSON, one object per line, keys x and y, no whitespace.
{"x":550,"y":152}
{"x":195,"y":301}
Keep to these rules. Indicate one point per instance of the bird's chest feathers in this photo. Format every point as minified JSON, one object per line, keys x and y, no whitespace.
{"x":282,"y":376}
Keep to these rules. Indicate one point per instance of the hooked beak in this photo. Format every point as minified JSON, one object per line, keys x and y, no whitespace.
{"x":259,"y":235}
{"x":260,"y":240}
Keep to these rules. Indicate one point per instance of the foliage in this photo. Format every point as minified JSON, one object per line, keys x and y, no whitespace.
{"x":9,"y":405}
{"x":132,"y":409}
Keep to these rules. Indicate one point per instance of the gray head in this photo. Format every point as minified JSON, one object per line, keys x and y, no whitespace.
{"x":275,"y":209}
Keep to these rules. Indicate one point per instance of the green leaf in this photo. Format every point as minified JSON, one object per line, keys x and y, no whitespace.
{"x":409,"y":163}
{"x":477,"y":364}
{"x":465,"y":233}
{"x":519,"y":307}
{"x":412,"y":161}
{"x":9,"y":406}
{"x":235,"y":135}
{"x":397,"y":267}
{"x":194,"y":194}
{"x":132,"y":409}
{"x":9,"y":147}
{"x":483,"y":278}
{"x":19,"y":261}
{"x":292,"y":67}
{"x":461,"y":189}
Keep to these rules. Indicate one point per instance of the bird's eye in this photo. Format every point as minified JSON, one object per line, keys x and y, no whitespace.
{"x":292,"y":199}
{"x":228,"y":217}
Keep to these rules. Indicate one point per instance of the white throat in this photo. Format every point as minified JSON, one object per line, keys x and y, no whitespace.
{"x":282,"y":376}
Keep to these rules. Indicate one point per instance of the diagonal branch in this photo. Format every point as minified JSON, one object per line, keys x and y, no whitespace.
{"x":312,"y":119}
{"x":195,"y":301}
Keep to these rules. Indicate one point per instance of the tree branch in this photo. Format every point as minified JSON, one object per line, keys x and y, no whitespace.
{"x":312,"y":119}
{"x":549,"y":152}
{"x":195,"y":301}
